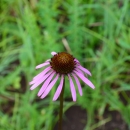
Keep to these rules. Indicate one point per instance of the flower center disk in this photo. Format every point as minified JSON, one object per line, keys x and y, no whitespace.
{"x":63,"y":63}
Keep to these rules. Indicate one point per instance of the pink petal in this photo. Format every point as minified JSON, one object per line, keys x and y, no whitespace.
{"x":45,"y":85}
{"x":84,"y":69}
{"x":42,"y":73}
{"x":53,"y":53}
{"x":50,"y":86}
{"x":78,"y":84}
{"x":41,"y":78}
{"x":79,"y":71}
{"x":73,"y":91}
{"x":85,"y":80}
{"x":37,"y":83}
{"x":41,"y":65}
{"x":36,"y":79}
{"x":58,"y":91}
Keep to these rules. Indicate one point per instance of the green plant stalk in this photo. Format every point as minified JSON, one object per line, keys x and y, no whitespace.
{"x":61,"y":106}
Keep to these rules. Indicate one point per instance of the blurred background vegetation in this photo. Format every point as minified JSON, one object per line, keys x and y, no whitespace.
{"x":96,"y":32}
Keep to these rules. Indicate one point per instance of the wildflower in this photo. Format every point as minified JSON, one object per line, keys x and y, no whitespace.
{"x":60,"y":65}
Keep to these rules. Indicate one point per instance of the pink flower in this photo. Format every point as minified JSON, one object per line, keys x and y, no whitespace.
{"x":60,"y":65}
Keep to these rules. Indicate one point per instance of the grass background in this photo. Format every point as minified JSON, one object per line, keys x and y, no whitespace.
{"x":96,"y":32}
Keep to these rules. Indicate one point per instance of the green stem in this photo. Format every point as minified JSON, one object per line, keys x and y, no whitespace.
{"x":61,"y":106}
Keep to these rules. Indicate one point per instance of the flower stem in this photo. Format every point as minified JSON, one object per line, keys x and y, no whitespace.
{"x":61,"y":106}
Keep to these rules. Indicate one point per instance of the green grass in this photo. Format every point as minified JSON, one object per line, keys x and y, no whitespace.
{"x":96,"y":33}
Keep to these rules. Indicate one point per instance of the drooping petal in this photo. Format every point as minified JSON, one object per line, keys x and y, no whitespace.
{"x":40,"y":78}
{"x":50,"y":87}
{"x":58,"y":91}
{"x":41,"y":65}
{"x":78,"y":84}
{"x":53,"y":53}
{"x":40,"y":81}
{"x":79,"y":71}
{"x":85,"y":80}
{"x":42,"y":73}
{"x":72,"y":88}
{"x":84,"y":69}
{"x":45,"y":85}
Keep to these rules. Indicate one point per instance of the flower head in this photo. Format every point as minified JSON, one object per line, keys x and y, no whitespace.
{"x":60,"y":65}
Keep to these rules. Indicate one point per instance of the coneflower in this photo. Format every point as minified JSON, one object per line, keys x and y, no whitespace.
{"x":60,"y":65}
